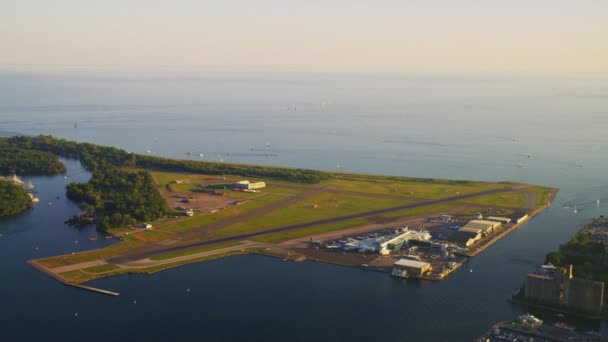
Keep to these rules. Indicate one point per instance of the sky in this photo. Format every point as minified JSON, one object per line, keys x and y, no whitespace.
{"x":405,"y":36}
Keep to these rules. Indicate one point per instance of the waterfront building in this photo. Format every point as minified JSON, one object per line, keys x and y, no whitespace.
{"x":543,"y":289}
{"x":557,"y":287}
{"x":485,"y":226}
{"x":584,"y":295}
{"x":412,"y":268}
{"x":522,"y":219}
{"x":465,"y":238}
{"x":503,"y":220}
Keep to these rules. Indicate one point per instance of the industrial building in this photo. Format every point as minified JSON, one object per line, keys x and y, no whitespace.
{"x":543,"y":289}
{"x":246,"y":185}
{"x":485,"y":226}
{"x":397,"y":241}
{"x":503,"y":220}
{"x":471,"y":230}
{"x":584,"y":295}
{"x":559,"y":288}
{"x":412,"y":268}
{"x":465,"y":238}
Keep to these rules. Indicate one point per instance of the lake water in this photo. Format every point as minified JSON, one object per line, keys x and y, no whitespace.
{"x":546,"y":131}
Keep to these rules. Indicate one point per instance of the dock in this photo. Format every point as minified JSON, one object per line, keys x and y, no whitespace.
{"x":94,"y":289}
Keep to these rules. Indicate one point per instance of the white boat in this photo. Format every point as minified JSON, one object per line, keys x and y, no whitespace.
{"x":400,"y":273}
{"x":529,"y":319}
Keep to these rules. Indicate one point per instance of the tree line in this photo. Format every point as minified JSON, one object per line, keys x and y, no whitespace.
{"x":13,"y":199}
{"x":117,"y":197}
{"x":26,"y":162}
{"x":93,"y":156}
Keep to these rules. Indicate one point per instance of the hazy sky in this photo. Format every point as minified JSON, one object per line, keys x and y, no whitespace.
{"x":463,"y":36}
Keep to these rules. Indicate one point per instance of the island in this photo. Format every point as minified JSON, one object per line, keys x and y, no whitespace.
{"x":14,"y":198}
{"x":169,"y":212}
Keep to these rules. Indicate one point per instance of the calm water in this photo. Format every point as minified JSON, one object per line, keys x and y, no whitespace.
{"x":417,"y":126}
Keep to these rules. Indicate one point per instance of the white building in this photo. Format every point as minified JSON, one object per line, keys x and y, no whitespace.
{"x":246,"y":185}
{"x":503,"y":220}
{"x":485,"y":226}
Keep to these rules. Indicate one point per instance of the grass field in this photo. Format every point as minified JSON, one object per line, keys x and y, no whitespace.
{"x":506,"y":199}
{"x":201,"y":220}
{"x":195,"y":250}
{"x":328,"y":205}
{"x":428,"y":209}
{"x":101,"y":268}
{"x":309,"y":231}
{"x":426,"y":190}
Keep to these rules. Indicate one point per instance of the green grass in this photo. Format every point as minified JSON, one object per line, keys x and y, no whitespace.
{"x":109,"y":251}
{"x":504,"y":199}
{"x":208,"y":218}
{"x":328,"y":205}
{"x":278,"y":189}
{"x":172,"y":255}
{"x":542,"y":194}
{"x":308,"y":231}
{"x":427,"y":209}
{"x":76,"y":276}
{"x":101,"y":268}
{"x":427,"y":190}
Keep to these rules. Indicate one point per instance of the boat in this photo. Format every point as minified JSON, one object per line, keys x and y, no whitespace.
{"x":400,"y":273}
{"x":529,"y":319}
{"x":93,"y":238}
{"x":565,"y":326}
{"x":109,"y":237}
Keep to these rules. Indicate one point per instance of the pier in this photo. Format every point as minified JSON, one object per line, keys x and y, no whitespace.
{"x":94,"y":289}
